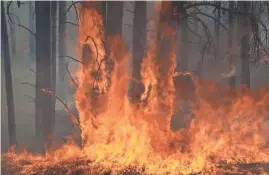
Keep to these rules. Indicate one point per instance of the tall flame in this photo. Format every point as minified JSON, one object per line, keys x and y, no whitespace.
{"x":117,"y":135}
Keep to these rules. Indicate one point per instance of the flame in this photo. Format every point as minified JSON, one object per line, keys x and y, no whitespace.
{"x":118,"y":135}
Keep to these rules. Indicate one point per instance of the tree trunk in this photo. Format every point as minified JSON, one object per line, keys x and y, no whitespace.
{"x":63,"y":81}
{"x":53,"y":59}
{"x":182,"y":82}
{"x":139,"y":44}
{"x":32,"y":28}
{"x":13,"y":32}
{"x":231,"y":42}
{"x":114,"y":18}
{"x":166,"y":41}
{"x":8,"y":77}
{"x":113,"y":27}
{"x":43,"y":71}
{"x":245,"y":45}
{"x":217,"y":31}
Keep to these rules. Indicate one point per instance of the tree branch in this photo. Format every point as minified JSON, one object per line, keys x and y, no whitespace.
{"x":129,"y":25}
{"x":75,"y":8}
{"x":32,"y":70}
{"x":71,"y":58}
{"x":66,"y":66}
{"x":27,"y":29}
{"x":26,"y":83}
{"x":209,"y":16}
{"x":72,"y":23}
{"x":33,"y":100}
{"x":127,"y":10}
{"x":71,"y":115}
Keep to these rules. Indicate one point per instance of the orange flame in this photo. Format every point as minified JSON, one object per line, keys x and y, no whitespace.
{"x":117,"y":134}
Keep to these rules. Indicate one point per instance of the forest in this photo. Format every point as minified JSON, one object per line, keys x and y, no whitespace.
{"x":134,"y":87}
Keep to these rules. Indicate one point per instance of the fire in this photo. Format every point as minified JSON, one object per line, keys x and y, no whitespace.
{"x":117,"y":135}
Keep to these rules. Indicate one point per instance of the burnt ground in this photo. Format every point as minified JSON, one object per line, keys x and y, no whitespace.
{"x":76,"y":168}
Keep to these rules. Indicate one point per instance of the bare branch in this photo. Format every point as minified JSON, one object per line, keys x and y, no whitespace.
{"x":26,"y":83}
{"x":27,"y":29}
{"x":32,"y":70}
{"x":127,"y":10}
{"x":15,"y":17}
{"x":75,"y":8}
{"x":94,"y":45}
{"x":128,"y":25}
{"x":206,"y":30}
{"x":71,"y":115}
{"x":197,"y":4}
{"x":66,"y":66}
{"x":30,"y":98}
{"x":72,"y":23}
{"x":203,"y":52}
{"x":194,"y":32}
{"x":8,"y":12}
{"x":74,"y":59}
{"x":209,"y":16}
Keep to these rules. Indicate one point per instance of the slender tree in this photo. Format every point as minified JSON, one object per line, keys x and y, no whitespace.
{"x":43,"y":70}
{"x":53,"y":59}
{"x":217,"y":29}
{"x":232,"y":41}
{"x":13,"y":30}
{"x":8,"y":77}
{"x":32,"y":28}
{"x":139,"y":44}
{"x":62,"y":83}
{"x":244,"y":42}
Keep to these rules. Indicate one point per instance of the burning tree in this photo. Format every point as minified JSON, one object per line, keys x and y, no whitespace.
{"x":119,"y":137}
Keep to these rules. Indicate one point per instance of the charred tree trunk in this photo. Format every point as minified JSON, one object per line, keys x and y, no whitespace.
{"x":182,"y":56}
{"x":31,"y":27}
{"x":53,"y":59}
{"x":231,"y":42}
{"x":217,"y":31}
{"x":43,"y":71}
{"x":114,"y":18}
{"x":63,"y":81}
{"x":139,"y":44}
{"x":245,"y":44}
{"x":113,"y":27}
{"x":166,"y":41}
{"x":8,"y":77}
{"x":13,"y":32}
{"x":182,"y":82}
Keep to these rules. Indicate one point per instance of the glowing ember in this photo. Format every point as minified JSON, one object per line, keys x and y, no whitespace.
{"x":119,"y":136}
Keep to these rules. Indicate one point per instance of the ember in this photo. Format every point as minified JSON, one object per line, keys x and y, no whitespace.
{"x":224,"y":134}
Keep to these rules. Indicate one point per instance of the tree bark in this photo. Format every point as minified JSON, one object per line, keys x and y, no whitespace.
{"x":53,"y":59}
{"x":166,"y":40}
{"x":113,"y":27}
{"x":245,"y":45}
{"x":114,"y":18}
{"x":43,"y":71}
{"x":182,"y":82}
{"x":63,"y":81}
{"x":32,"y":28}
{"x":139,"y":44}
{"x":232,"y":42}
{"x":8,"y":77}
{"x":13,"y":32}
{"x":217,"y":31}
